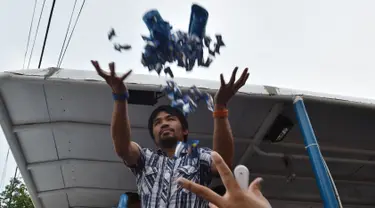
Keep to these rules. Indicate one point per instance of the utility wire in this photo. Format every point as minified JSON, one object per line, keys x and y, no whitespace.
{"x":29,"y":35}
{"x":71,"y":34}
{"x":46,"y":34}
{"x":3,"y":174}
{"x":12,"y":188}
{"x":36,"y":34}
{"x":66,"y":34}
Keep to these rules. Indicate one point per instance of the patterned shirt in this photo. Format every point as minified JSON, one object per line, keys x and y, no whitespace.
{"x":156,"y":176}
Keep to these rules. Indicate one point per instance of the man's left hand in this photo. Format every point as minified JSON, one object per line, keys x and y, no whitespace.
{"x":227,"y":91}
{"x":235,"y":196}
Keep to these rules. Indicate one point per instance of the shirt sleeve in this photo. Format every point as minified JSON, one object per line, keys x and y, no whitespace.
{"x":205,"y":161}
{"x":137,"y":169}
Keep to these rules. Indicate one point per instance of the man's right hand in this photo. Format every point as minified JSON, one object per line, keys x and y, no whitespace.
{"x":114,"y":81}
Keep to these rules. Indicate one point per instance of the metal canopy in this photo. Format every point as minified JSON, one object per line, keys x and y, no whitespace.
{"x":56,"y":122}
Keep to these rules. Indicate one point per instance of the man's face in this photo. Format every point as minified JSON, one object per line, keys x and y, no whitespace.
{"x":167,"y":130}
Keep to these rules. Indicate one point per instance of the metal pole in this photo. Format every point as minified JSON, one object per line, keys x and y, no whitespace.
{"x":318,"y":164}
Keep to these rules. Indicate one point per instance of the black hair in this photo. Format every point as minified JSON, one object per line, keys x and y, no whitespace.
{"x":171,"y":111}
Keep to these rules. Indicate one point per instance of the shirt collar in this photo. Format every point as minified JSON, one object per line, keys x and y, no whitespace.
{"x":161,"y":152}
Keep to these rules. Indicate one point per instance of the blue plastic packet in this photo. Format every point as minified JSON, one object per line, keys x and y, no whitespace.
{"x":186,"y":48}
{"x":123,"y":203}
{"x":198,"y":21}
{"x":193,"y":147}
{"x":172,"y":90}
{"x":198,"y":96}
{"x":209,"y":102}
{"x":187,"y":103}
{"x":159,"y":29}
{"x":193,"y":142}
{"x":190,"y":147}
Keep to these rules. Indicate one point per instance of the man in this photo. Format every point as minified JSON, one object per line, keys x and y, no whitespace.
{"x":156,"y":171}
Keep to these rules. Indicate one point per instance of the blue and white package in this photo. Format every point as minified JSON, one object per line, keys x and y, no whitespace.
{"x":189,"y":147}
{"x":166,"y":46}
{"x":187,"y":103}
{"x":123,"y":203}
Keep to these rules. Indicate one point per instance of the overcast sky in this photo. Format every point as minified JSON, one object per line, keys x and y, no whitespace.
{"x":322,"y":45}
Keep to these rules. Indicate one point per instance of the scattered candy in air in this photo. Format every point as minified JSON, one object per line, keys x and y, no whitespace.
{"x":118,"y":47}
{"x":111,"y":34}
{"x":165,"y":46}
{"x":187,"y":103}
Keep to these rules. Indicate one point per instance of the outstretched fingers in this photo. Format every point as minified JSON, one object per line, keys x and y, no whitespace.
{"x":226,"y":174}
{"x":126,"y":75}
{"x":112,"y":68}
{"x":222,"y":80}
{"x":255,"y":186}
{"x":242,"y":80}
{"x":210,"y":205}
{"x":233,"y":77}
{"x":98,"y":69}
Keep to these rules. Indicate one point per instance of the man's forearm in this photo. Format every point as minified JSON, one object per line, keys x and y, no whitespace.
{"x":223,"y":138}
{"x":120,"y":128}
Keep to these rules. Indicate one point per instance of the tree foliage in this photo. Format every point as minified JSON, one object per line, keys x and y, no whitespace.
{"x":15,"y":195}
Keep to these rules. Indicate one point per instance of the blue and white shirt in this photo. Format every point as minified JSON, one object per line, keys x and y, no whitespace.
{"x":156,"y":176}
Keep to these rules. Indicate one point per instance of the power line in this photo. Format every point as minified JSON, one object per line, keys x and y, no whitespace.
{"x":66,"y":34}
{"x":3,"y":174}
{"x":71,"y":34}
{"x":36,"y":34}
{"x":29,"y":35}
{"x":46,"y":34}
{"x":12,"y":187}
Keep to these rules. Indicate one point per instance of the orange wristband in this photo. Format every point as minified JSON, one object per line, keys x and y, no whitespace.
{"x":220,"y":113}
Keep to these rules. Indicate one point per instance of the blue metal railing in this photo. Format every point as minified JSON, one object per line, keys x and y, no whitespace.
{"x":323,"y":178}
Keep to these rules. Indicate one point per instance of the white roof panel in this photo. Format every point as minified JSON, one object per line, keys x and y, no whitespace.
{"x":56,"y":122}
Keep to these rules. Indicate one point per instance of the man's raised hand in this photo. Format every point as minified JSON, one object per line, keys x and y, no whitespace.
{"x":228,"y":90}
{"x":114,"y":81}
{"x":235,"y":196}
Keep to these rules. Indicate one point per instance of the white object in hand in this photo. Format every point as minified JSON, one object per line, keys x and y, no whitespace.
{"x":242,"y":175}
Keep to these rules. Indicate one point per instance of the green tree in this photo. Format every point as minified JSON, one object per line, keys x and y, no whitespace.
{"x":15,"y":195}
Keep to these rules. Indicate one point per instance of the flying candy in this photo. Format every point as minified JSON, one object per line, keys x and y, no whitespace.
{"x":111,"y":34}
{"x":198,"y":96}
{"x":190,"y":147}
{"x":187,"y":103}
{"x":164,"y":46}
{"x":118,"y":47}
